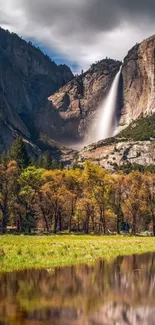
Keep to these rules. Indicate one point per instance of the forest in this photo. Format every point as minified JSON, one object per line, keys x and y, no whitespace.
{"x":90,"y":200}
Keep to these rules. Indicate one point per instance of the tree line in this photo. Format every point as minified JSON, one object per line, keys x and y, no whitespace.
{"x":88,"y":200}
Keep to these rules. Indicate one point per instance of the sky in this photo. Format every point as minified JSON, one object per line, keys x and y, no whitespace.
{"x":80,"y":32}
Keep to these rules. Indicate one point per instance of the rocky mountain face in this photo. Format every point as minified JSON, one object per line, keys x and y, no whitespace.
{"x":138,"y":73}
{"x":27,"y":78}
{"x":39,"y":99}
{"x":76,"y":102}
{"x":136,"y":144}
{"x":111,"y":155}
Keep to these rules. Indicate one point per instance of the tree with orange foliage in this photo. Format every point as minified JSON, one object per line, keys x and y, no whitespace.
{"x":73,"y":182}
{"x":133,"y":198}
{"x":55,"y":195}
{"x":116,"y":198}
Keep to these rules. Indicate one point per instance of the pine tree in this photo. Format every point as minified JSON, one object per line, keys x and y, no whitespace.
{"x":61,"y":165}
{"x":18,"y":152}
{"x":33,"y":161}
{"x":55,"y":164}
{"x":45,"y":161}
{"x":4,"y":159}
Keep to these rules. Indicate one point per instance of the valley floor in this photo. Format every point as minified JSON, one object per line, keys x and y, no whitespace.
{"x":21,"y":252}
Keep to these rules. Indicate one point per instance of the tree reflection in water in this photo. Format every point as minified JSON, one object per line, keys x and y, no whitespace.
{"x":121,"y":292}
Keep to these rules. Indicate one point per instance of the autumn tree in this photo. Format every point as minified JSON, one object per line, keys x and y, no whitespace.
{"x":133,"y":198}
{"x":55,"y":191}
{"x":89,"y":183}
{"x":96,"y":184}
{"x":117,"y":192}
{"x":85,"y":208}
{"x":102,"y":198}
{"x":73,"y":182}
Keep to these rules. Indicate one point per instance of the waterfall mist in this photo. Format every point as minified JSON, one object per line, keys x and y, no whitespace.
{"x":105,"y":122}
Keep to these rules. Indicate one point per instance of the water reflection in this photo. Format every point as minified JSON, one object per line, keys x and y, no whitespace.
{"x":121,"y":292}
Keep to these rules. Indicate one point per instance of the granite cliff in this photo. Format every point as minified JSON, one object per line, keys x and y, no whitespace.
{"x":76,"y":102}
{"x":40,"y":100}
{"x":138,"y":74}
{"x":27,"y":78}
{"x":136,"y":144}
{"x":37,"y":97}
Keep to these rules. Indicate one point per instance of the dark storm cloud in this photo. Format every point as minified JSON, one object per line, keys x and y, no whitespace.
{"x":107,"y":14}
{"x":85,"y":29}
{"x":97,"y":15}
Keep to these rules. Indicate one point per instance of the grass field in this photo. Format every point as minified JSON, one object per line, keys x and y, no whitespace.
{"x":21,"y":252}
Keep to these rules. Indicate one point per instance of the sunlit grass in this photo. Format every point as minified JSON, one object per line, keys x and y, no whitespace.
{"x":20,"y":252}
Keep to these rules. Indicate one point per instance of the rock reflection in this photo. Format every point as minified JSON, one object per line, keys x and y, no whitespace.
{"x":121,"y":292}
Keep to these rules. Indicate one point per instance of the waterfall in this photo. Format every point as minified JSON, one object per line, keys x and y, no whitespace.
{"x":107,"y":113}
{"x":105,"y":122}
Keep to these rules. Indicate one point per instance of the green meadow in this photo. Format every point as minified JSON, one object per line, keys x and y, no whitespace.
{"x":21,"y":252}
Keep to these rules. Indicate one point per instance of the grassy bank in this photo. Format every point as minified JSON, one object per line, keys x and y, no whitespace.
{"x":20,"y":252}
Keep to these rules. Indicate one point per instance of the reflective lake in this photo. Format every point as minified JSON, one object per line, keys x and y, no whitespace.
{"x":117,"y":293}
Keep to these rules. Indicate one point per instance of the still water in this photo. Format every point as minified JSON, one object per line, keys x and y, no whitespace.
{"x":117,"y":293}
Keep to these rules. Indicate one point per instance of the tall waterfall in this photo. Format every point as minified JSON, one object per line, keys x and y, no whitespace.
{"x":108,"y":119}
{"x":105,"y":121}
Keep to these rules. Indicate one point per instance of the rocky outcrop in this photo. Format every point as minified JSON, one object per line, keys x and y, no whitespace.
{"x":61,"y":153}
{"x":110,"y":154}
{"x":134,"y":145}
{"x":138,"y":74}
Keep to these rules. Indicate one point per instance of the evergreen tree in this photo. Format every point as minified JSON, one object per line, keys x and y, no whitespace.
{"x":61,"y":165}
{"x":40,"y":161}
{"x":55,"y":164}
{"x":18,"y":152}
{"x":33,"y":161}
{"x":4,"y":159}
{"x":45,"y":161}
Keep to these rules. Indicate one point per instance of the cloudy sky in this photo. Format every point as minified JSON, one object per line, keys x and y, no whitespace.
{"x":80,"y":32}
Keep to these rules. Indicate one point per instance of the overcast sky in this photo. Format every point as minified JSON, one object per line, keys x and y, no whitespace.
{"x":81,"y":31}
